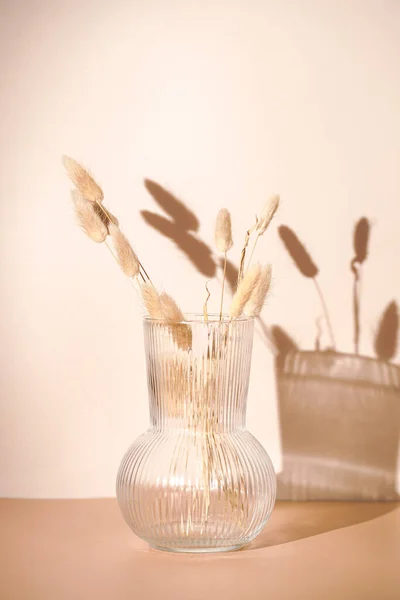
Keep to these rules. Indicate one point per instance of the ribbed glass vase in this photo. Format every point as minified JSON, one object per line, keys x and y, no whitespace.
{"x":197,"y":480}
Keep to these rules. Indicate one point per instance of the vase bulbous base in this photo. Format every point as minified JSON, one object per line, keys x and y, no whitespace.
{"x":194,"y":505}
{"x":198,"y":541}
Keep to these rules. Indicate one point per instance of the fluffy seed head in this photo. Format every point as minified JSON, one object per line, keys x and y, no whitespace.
{"x":84,"y":182}
{"x":267,"y":213}
{"x":182,"y":335}
{"x":152,"y":301}
{"x":172,"y":314}
{"x":223,"y":231}
{"x":164,"y":308}
{"x":170,"y":309}
{"x":88,"y":219}
{"x":244,"y":290}
{"x":127,"y":259}
{"x":258,"y":296}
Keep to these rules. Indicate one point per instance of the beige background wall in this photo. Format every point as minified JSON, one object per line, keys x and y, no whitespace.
{"x":223,"y":102}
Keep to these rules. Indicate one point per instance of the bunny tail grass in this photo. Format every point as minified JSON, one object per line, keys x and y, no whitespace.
{"x":172,"y":314}
{"x":224,"y":242}
{"x":244,"y":291}
{"x":88,"y":219}
{"x":170,"y":309}
{"x":127,"y":259}
{"x":267,"y":214}
{"x":152,"y":301}
{"x":165,"y":309}
{"x":84,"y":182}
{"x":244,"y":249}
{"x":259,"y":294}
{"x":223,"y":231}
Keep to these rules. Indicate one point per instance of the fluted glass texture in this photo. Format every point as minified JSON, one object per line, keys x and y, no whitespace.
{"x":197,"y":480}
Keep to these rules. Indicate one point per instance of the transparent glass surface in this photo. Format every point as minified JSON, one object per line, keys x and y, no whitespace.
{"x":197,"y":480}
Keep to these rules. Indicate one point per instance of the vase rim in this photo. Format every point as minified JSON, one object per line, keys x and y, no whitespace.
{"x":198,"y":318}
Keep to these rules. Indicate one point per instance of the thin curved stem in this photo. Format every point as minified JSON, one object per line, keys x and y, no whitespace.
{"x":244,"y":249}
{"x":325,"y":309}
{"x":356,"y":308}
{"x":252,"y":252}
{"x":205,"y":313}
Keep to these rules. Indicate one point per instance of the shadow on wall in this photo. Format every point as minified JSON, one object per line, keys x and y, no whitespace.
{"x":180,"y":228}
{"x":339,"y":413}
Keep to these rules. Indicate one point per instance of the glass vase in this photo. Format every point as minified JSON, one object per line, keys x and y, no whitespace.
{"x":197,"y":480}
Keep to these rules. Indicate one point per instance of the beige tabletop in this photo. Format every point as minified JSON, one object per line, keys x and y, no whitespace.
{"x":82,"y":549}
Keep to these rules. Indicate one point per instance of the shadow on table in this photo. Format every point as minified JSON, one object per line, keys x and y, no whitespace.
{"x":290,"y":522}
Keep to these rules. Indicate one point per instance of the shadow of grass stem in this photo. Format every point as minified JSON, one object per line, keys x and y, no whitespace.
{"x":325,"y":309}
{"x":356,"y":269}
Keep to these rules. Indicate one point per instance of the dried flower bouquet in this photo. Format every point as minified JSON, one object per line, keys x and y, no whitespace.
{"x":196,"y":380}
{"x":100,"y":224}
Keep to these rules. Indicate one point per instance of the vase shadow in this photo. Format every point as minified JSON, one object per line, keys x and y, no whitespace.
{"x":290,"y":521}
{"x":339,"y":416}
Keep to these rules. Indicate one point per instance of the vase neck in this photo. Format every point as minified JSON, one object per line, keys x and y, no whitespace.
{"x":198,"y":374}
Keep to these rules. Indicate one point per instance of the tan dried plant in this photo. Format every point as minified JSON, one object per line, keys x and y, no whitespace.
{"x":164,"y":308}
{"x":88,"y":190}
{"x":127,"y":259}
{"x":223,"y":231}
{"x":98,"y":223}
{"x":84,"y":182}
{"x":88,"y":219}
{"x":224,"y":242}
{"x":254,"y":305}
{"x":244,"y":250}
{"x":160,"y":306}
{"x":267,"y":214}
{"x":264,"y":220}
{"x":244,"y":291}
{"x":170,"y":310}
{"x":152,"y":301}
